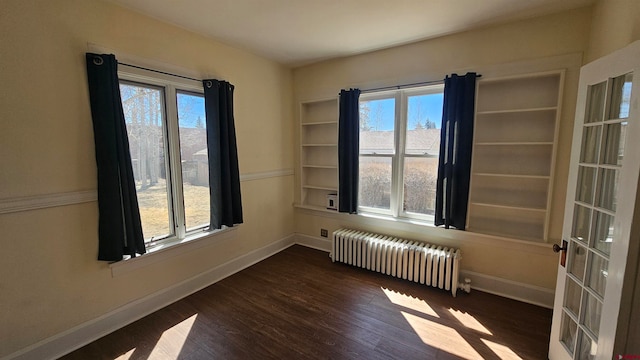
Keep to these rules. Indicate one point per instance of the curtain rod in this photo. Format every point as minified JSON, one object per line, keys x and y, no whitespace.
{"x":160,"y":72}
{"x":404,"y":86}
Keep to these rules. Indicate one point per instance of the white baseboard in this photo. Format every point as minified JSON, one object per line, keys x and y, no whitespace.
{"x":313,"y":242}
{"x":83,"y":334}
{"x":530,"y":294}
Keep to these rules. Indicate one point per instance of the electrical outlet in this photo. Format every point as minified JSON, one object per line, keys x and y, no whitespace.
{"x":324,"y":233}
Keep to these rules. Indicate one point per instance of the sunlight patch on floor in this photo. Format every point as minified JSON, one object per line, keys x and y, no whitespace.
{"x":469,"y":321}
{"x":502,"y":351}
{"x":173,"y":338}
{"x":410,"y":302}
{"x":441,"y":337}
{"x":127,"y":355}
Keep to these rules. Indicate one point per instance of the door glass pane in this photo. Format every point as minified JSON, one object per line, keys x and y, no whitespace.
{"x":144,"y":117}
{"x":614,"y":143}
{"x":577,"y":259}
{"x":572,"y":296}
{"x":585,"y":186}
{"x":598,"y":273}
{"x":588,"y":348}
{"x":607,"y":183}
{"x":420,"y":175}
{"x":377,"y":124}
{"x":194,"y":158}
{"x":590,"y":144}
{"x":374,"y":189}
{"x":595,"y":101}
{"x":603,"y":233}
{"x":568,"y":332}
{"x":581,"y":221}
{"x":621,"y":97}
{"x":591,"y":311}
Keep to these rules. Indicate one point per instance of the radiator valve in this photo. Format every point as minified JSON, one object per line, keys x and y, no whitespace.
{"x":466,"y":285}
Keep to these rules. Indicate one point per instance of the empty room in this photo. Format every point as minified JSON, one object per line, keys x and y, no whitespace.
{"x":292,"y":179}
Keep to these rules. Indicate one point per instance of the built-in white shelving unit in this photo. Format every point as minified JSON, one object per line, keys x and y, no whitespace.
{"x":318,"y":152}
{"x":515,"y":138}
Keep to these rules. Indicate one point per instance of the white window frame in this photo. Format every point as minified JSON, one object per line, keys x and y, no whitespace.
{"x":401,"y":97}
{"x":171,"y":85}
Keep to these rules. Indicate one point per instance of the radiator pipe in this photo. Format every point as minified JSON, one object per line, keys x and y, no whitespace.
{"x":466,"y":285}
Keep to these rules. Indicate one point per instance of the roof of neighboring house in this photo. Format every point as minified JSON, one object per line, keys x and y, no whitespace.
{"x":418,"y":141}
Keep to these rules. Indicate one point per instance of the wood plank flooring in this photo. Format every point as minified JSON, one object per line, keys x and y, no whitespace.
{"x":297,"y":304}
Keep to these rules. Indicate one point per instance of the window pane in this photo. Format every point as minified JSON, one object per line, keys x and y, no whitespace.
{"x":581,"y":221}
{"x":374,"y":189}
{"x":585,"y":186}
{"x":377,"y":123}
{"x":568,"y":332}
{"x":424,"y":117}
{"x":614,"y":143}
{"x":195,"y":162}
{"x":590,"y":144}
{"x":588,"y":347}
{"x":608,"y":184}
{"x":621,"y":97}
{"x":598,"y":273}
{"x":144,"y":115}
{"x":595,"y":109}
{"x":577,"y":259}
{"x":592,"y":310}
{"x":572,"y":296}
{"x":603,"y":233}
{"x":420,"y":176}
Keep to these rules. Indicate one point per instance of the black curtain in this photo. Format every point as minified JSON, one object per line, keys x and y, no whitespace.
{"x":119,"y":226}
{"x":224,"y":174}
{"x":348,"y":150}
{"x":454,"y":170}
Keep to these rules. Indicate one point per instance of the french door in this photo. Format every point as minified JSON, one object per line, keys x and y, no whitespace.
{"x":599,"y":209}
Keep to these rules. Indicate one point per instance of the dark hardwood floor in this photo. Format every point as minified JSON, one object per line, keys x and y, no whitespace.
{"x":297,"y":304}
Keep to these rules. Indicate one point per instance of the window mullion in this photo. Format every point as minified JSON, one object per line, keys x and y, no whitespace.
{"x":175,"y":167}
{"x":398,"y":158}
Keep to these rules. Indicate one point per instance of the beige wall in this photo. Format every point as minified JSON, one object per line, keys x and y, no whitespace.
{"x":615,"y":24}
{"x":50,"y":280}
{"x":523,"y":47}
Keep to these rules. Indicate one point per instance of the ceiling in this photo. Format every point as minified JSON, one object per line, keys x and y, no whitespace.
{"x":297,"y":32}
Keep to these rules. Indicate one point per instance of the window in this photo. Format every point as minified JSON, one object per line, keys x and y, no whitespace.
{"x":166,"y":129}
{"x":399,"y":146}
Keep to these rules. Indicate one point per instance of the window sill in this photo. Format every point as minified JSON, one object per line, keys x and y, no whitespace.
{"x":405,"y":220}
{"x":170,"y":249}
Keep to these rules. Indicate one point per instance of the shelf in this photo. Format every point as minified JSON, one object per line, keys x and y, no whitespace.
{"x":516,"y":111}
{"x":509,"y":207}
{"x":318,"y":152}
{"x":328,"y":188}
{"x":512,"y":176}
{"x":513,"y":160}
{"x":516,"y":127}
{"x":315,"y":208}
{"x":515,"y":136}
{"x":320,"y":166}
{"x":320,"y":155}
{"x":321,"y":123}
{"x":508,"y":222}
{"x":319,"y":145}
{"x":499,"y":143}
{"x":518,"y":93}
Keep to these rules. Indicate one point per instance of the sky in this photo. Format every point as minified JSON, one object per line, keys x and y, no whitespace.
{"x":190,"y":107}
{"x":420,"y":108}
